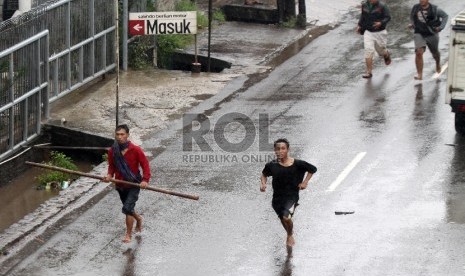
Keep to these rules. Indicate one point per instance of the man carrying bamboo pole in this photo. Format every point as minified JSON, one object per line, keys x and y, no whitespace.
{"x":124,"y":162}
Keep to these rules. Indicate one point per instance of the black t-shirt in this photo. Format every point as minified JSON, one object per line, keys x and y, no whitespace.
{"x":287,"y":179}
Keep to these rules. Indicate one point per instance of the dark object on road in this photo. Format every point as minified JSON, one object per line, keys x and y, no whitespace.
{"x":194,"y":197}
{"x":338,"y":213}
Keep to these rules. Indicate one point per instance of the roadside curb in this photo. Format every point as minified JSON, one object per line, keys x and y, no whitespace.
{"x":279,"y":50}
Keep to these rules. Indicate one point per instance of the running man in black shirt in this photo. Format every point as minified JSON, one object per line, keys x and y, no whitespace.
{"x":288,"y":179}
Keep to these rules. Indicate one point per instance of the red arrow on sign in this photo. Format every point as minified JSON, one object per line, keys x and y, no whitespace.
{"x":136,"y":27}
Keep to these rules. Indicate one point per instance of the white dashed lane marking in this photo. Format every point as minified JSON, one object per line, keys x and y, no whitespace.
{"x":346,"y":171}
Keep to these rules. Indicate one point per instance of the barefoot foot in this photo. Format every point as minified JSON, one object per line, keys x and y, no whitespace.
{"x":418,"y":77}
{"x":127,"y":238}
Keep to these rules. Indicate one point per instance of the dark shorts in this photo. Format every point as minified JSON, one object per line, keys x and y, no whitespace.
{"x":129,"y":198}
{"x":284,"y":207}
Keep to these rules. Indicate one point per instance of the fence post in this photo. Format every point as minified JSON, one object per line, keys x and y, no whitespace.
{"x":11,"y":123}
{"x":124,"y":40}
{"x":68,"y":45}
{"x":47,"y":77}
{"x":39,"y":80}
{"x":25,"y":122}
{"x":302,"y":16}
{"x":92,"y":32}
{"x":117,"y":63}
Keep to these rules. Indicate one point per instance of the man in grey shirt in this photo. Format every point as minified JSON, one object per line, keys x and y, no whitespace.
{"x":427,"y":20}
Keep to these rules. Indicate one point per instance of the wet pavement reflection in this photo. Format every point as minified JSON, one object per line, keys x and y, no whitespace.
{"x":405,"y":196}
{"x":455,"y":202}
{"x":130,"y":254}
{"x":286,"y":269}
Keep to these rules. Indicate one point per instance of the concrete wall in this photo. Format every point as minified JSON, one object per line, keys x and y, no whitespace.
{"x":250,"y":14}
{"x":58,"y":136}
{"x":62,"y":136}
{"x":11,"y":169}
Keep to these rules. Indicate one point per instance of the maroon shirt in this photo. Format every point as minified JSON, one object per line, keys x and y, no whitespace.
{"x":135,"y":158}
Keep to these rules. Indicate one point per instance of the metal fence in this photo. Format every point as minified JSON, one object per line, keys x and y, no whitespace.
{"x":47,"y":53}
{"x":134,"y":5}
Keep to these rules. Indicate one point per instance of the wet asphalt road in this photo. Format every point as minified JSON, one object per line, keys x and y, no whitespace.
{"x":407,"y":190}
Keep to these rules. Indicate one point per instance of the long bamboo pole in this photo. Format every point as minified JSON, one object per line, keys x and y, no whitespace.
{"x":193,"y":197}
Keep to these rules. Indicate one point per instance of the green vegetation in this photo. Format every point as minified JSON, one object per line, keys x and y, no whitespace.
{"x":167,"y":44}
{"x":138,"y":52}
{"x":218,"y":16}
{"x":151,"y":6}
{"x":291,"y":23}
{"x":105,"y":157}
{"x":187,"y":5}
{"x":57,"y":159}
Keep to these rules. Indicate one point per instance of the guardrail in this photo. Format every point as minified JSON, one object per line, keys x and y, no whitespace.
{"x":45,"y":54}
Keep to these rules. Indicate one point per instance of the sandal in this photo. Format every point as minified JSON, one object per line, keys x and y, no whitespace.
{"x":367,"y":75}
{"x":387,"y":58}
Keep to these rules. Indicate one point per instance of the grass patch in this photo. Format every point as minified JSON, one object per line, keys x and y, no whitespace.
{"x":218,"y":16}
{"x":291,"y":23}
{"x":57,"y":159}
{"x":138,"y":57}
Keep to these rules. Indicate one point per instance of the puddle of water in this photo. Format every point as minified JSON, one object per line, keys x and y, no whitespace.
{"x":20,"y":197}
